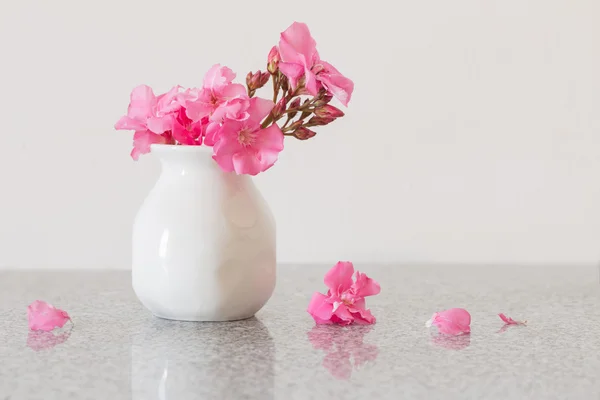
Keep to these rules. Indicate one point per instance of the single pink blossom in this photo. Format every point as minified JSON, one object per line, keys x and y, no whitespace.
{"x":245,"y":147}
{"x":149,"y":112}
{"x":217,"y":93}
{"x":455,"y":321}
{"x":299,"y":58}
{"x":510,"y":321}
{"x":151,"y":117}
{"x":44,"y":317}
{"x":344,"y":302}
{"x":143,"y":139}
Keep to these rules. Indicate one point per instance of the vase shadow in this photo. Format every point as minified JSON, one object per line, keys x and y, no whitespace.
{"x":344,"y":348}
{"x":188,"y":360}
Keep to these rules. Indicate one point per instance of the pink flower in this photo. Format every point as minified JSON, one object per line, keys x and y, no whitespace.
{"x":246,"y":148}
{"x":510,"y":321}
{"x":344,"y":302}
{"x":185,"y":131}
{"x":44,"y":317}
{"x":151,"y":118}
{"x":149,"y":112}
{"x":455,"y":321}
{"x":219,"y":98}
{"x":143,"y":139}
{"x":299,"y":58}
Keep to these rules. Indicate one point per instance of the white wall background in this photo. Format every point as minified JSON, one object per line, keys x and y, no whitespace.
{"x":473,"y":135}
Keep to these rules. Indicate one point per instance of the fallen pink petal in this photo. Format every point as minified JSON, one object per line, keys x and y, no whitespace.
{"x":454,"y":321}
{"x":44,"y":317}
{"x":509,"y":321}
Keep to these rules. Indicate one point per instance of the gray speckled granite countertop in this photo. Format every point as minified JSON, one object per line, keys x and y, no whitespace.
{"x":117,"y":350}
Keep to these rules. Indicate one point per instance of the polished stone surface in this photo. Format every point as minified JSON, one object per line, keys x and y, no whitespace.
{"x":117,"y":350}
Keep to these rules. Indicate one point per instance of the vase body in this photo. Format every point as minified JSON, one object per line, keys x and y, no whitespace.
{"x":203,"y":241}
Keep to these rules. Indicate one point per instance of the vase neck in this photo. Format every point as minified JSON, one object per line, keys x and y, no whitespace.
{"x":184,"y":160}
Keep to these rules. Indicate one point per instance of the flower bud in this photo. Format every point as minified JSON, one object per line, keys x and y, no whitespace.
{"x":323,"y":98}
{"x":303,"y":133}
{"x":249,"y":78}
{"x":283,"y":82}
{"x":273,"y":60}
{"x":256,"y":80}
{"x":316,"y":121}
{"x":264,"y":78}
{"x":295,"y":125}
{"x":279,"y":108}
{"x":294,"y":105}
{"x":328,"y":111}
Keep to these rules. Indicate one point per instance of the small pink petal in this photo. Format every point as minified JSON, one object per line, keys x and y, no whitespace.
{"x":510,"y":321}
{"x":339,"y":278}
{"x":365,"y":286}
{"x":296,"y":44}
{"x":455,"y":321}
{"x":293,"y":72}
{"x":44,"y":317}
{"x":258,"y":109}
{"x":217,"y":77}
{"x":320,"y":309}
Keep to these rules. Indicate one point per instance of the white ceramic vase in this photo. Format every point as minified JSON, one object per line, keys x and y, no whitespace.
{"x":203,"y":241}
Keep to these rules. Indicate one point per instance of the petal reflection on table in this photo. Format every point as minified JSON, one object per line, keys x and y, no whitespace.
{"x":459,"y":342}
{"x":173,"y":360}
{"x":344,"y":348}
{"x":40,"y":340}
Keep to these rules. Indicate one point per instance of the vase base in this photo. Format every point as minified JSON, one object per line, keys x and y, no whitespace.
{"x":204,"y":319}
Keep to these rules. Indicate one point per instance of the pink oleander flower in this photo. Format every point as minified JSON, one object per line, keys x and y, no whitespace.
{"x":455,"y":321}
{"x":143,"y":139}
{"x":218,"y":99}
{"x":344,"y":302}
{"x":186,"y":131}
{"x":245,"y":147}
{"x":149,"y":112}
{"x":299,"y":58}
{"x":44,"y":317}
{"x":151,"y":117}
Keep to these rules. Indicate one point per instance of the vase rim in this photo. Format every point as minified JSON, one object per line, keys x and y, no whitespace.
{"x":163,"y":148}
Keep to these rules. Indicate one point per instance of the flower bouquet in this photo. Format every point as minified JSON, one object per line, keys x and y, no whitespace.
{"x":204,"y":238}
{"x":245,"y":131}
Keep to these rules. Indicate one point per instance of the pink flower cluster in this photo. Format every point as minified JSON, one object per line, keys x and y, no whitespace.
{"x":243,"y":130}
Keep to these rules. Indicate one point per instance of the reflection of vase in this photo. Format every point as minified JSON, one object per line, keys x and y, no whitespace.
{"x":344,"y":347}
{"x":180,"y":361}
{"x":203,"y":241}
